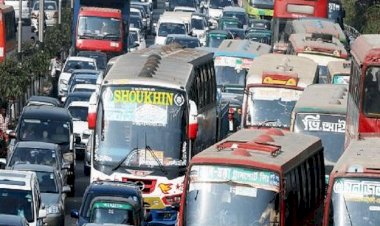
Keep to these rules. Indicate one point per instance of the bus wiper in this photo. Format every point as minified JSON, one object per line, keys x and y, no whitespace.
{"x":87,"y":35}
{"x":123,"y":159}
{"x":112,"y":36}
{"x":162,"y":168}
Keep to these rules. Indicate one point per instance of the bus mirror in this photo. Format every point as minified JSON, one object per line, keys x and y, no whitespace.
{"x":92,"y":108}
{"x":193,"y":121}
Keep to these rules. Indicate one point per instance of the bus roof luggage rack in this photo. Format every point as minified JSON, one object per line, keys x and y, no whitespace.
{"x":260,"y":144}
{"x":320,"y":37}
{"x":150,"y":66}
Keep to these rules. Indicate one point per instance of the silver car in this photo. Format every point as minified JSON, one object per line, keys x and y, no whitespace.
{"x":53,"y":192}
{"x":51,"y":14}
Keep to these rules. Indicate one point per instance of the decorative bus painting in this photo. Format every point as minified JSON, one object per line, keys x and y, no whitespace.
{"x":260,"y":9}
{"x":321,"y":48}
{"x":363,"y":110}
{"x":100,"y":29}
{"x":338,"y":72}
{"x":148,"y":122}
{"x":286,"y":11}
{"x":232,"y":61}
{"x":256,"y":177}
{"x":321,"y":111}
{"x":353,"y":195}
{"x":8,"y":43}
{"x":274,"y":84}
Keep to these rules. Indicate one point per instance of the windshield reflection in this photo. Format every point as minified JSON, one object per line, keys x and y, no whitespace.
{"x":46,"y":181}
{"x":171,"y":28}
{"x":33,"y":156}
{"x":229,"y":76}
{"x":79,"y":113}
{"x":57,"y":132}
{"x":21,"y":200}
{"x":99,"y":28}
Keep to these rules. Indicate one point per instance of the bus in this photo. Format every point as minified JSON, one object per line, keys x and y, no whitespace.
{"x":274,"y":84}
{"x":260,"y":9}
{"x":100,"y":29}
{"x":363,"y":112}
{"x":322,"y":48}
{"x":321,"y":111}
{"x":338,"y":72}
{"x":149,"y":121}
{"x":285,"y":11}
{"x":232,"y":60}
{"x":256,"y":177}
{"x":353,"y":196}
{"x":8,"y":42}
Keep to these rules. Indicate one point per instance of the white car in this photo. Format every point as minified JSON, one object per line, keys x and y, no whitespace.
{"x":199,"y":27}
{"x":71,"y":64}
{"x":51,"y":11}
{"x":167,"y":26}
{"x":136,"y":40}
{"x":20,"y":195}
{"x":184,"y":9}
{"x":25,"y":14}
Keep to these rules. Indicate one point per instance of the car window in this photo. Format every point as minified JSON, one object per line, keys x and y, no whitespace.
{"x":33,"y":156}
{"x":75,"y":64}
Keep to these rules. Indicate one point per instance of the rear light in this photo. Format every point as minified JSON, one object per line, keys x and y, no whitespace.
{"x":172,"y":200}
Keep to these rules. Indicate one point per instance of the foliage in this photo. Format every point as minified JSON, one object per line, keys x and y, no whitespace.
{"x":14,"y":79}
{"x":364,"y":15}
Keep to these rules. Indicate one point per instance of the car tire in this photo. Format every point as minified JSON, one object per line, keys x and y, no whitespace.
{"x":86,"y":170}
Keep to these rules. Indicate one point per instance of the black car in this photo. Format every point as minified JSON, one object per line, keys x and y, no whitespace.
{"x":43,"y":100}
{"x":13,"y":220}
{"x":51,"y":125}
{"x":100,"y":57}
{"x":108,"y":189}
{"x":77,"y":96}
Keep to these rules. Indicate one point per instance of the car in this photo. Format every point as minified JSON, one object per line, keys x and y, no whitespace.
{"x":136,"y":22}
{"x":71,"y":64}
{"x":238,"y":33}
{"x":199,"y":26}
{"x":113,"y":189}
{"x":259,"y":35}
{"x":143,"y":15}
{"x":58,"y":123}
{"x":100,"y":57}
{"x":87,"y":154}
{"x":42,"y":100}
{"x":84,"y":77}
{"x":14,"y":220}
{"x":85,"y":88}
{"x":236,"y":12}
{"x":32,"y":152}
{"x":261,"y":24}
{"x":184,"y":9}
{"x":148,"y":10}
{"x":79,"y":110}
{"x":76,"y":96}
{"x":137,"y":40}
{"x":229,"y":22}
{"x":20,"y":195}
{"x":184,"y":40}
{"x":53,"y":192}
{"x":215,"y":37}
{"x":51,"y":14}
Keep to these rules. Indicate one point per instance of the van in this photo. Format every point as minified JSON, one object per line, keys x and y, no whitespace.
{"x":26,"y":8}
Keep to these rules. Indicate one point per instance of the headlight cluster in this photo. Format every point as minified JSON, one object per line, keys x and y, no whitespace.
{"x":53,"y":209}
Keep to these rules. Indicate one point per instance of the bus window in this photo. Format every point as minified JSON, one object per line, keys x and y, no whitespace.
{"x":371,"y":95}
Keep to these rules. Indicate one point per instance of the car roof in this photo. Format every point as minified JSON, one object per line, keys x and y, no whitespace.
{"x":50,"y":100}
{"x":8,"y":219}
{"x":14,"y":179}
{"x":85,"y":86}
{"x":234,"y":9}
{"x":79,"y":58}
{"x":85,"y":76}
{"x":339,"y":67}
{"x":109,"y":187}
{"x":182,"y":36}
{"x":224,"y":32}
{"x":36,"y":144}
{"x":85,"y":71}
{"x":79,"y":104}
{"x":34,"y":168}
{"x":46,"y":112}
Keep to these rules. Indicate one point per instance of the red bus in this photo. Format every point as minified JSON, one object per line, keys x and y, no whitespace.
{"x":100,"y":29}
{"x":353,"y":195}
{"x":287,"y":10}
{"x":256,"y":177}
{"x":8,"y":43}
{"x":363,"y":110}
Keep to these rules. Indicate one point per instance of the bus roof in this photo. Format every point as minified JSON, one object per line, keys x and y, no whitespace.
{"x":366,"y":48}
{"x":320,"y":26}
{"x":242,"y":48}
{"x":168,"y":66}
{"x":100,"y":12}
{"x":339,"y":67}
{"x":360,"y":156}
{"x":304,"y":69}
{"x":250,"y":148}
{"x":318,"y":43}
{"x":323,"y":98}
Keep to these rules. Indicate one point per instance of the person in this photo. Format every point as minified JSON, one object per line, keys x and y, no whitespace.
{"x":106,"y":28}
{"x":55,"y":65}
{"x":45,"y":135}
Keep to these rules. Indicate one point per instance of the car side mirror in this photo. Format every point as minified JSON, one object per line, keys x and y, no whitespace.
{"x":74,"y":214}
{"x":66,"y":189}
{"x":42,"y":213}
{"x":78,"y":140}
{"x":11,"y":133}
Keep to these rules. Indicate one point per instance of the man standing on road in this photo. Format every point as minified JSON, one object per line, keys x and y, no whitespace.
{"x":4,"y":121}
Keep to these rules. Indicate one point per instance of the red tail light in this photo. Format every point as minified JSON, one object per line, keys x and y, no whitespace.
{"x":172,"y":200}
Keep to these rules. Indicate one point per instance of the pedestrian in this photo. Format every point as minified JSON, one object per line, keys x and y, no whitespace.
{"x":4,"y":121}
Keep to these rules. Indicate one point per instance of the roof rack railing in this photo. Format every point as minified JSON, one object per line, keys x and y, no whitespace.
{"x":254,"y":146}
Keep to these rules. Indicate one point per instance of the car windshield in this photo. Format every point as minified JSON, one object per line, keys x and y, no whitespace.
{"x":33,"y":156}
{"x":355,"y":201}
{"x":220,"y":4}
{"x":79,"y":89}
{"x":241,"y":16}
{"x":72,"y":65}
{"x":232,"y":196}
{"x":78,"y":113}
{"x":341,"y":79}
{"x":329,"y":127}
{"x":263,"y":4}
{"x":171,"y":28}
{"x":271,"y":107}
{"x":226,"y":76}
{"x":259,"y":38}
{"x":214,"y":41}
{"x":132,"y":118}
{"x":101,"y":60}
{"x":17,"y":202}
{"x":371,"y":95}
{"x":73,"y":97}
{"x":47,"y":6}
{"x":80,"y":80}
{"x":185,"y":3}
{"x":135,"y":22}
{"x":47,"y":182}
{"x":198,"y":24}
{"x":115,"y":213}
{"x":50,"y":131}
{"x":188,"y":43}
{"x":99,"y":28}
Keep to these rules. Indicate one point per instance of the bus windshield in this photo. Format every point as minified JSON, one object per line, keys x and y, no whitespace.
{"x":330,"y":128}
{"x":145,"y":125}
{"x":371,"y":95}
{"x":263,"y":4}
{"x":225,"y":196}
{"x":90,"y":27}
{"x":226,"y":76}
{"x":355,"y":201}
{"x":271,"y":106}
{"x":117,"y":213}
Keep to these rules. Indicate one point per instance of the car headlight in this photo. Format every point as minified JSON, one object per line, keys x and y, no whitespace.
{"x":53,"y":209}
{"x":63,"y":82}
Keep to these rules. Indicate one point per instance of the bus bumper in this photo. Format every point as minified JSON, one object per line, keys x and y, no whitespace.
{"x":162,"y":217}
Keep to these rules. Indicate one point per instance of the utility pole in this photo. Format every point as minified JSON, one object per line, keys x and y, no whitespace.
{"x":41,"y":21}
{"x":59,"y":12}
{"x":19,"y":27}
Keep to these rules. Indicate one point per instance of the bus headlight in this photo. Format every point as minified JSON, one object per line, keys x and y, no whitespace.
{"x":172,"y":200}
